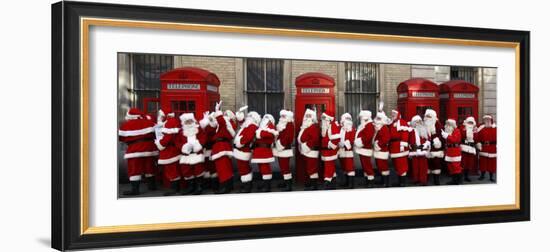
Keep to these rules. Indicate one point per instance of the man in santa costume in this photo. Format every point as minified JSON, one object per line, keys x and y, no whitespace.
{"x":240,"y":116}
{"x":453,"y":156}
{"x":309,"y":142}
{"x":345,"y":152}
{"x":330,"y":138}
{"x":191,"y":141}
{"x":208,"y":125}
{"x":283,"y":146}
{"x":381,"y":146}
{"x":139,"y":134}
{"x":399,"y":146}
{"x":169,"y":153}
{"x":242,"y":150}
{"x":469,"y":158}
{"x":419,"y":144}
{"x":222,"y":150}
{"x":487,"y":146}
{"x":436,"y":154}
{"x":262,"y":154}
{"x":363,"y":145}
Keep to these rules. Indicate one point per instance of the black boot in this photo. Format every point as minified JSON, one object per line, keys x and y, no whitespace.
{"x":266,"y":187}
{"x":225,"y":187}
{"x":288,"y":185}
{"x":215,"y":184}
{"x":351,"y":182}
{"x":460,"y":179}
{"x":386,"y":180}
{"x":191,"y":186}
{"x":345,"y":184}
{"x":436,"y":179}
{"x":454,"y":180}
{"x":466,"y":176}
{"x":174,"y":188}
{"x":311,"y":184}
{"x":492,"y":177}
{"x":134,"y":190}
{"x":328,"y":185}
{"x":199,"y":186}
{"x":246,"y":187}
{"x":369,"y":183}
{"x":152,"y":183}
{"x":401,"y":181}
{"x":482,"y":176}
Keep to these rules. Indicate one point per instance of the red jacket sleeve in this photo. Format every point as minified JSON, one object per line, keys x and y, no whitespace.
{"x":287,"y":135}
{"x":455,"y":137}
{"x":248,"y":134}
{"x":384,"y":136}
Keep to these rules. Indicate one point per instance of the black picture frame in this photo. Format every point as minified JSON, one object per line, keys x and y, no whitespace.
{"x":66,"y":155}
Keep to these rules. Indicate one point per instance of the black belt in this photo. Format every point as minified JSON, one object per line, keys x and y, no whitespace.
{"x":221,"y":139}
{"x":416,"y":147}
{"x":470,"y":144}
{"x":262,"y":145}
{"x":453,"y":145}
{"x":489,"y":142}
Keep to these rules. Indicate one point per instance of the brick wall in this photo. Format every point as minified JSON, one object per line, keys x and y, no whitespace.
{"x":489,"y":92}
{"x":390,"y":77}
{"x":299,"y":67}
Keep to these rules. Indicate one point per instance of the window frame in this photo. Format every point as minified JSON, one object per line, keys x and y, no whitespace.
{"x":361,"y":93}
{"x":265,"y":91}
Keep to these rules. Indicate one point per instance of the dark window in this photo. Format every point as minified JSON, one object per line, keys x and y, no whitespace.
{"x":361,"y":87}
{"x":264,"y":86}
{"x":146,"y":71}
{"x":463,"y":113}
{"x":421,"y":110}
{"x":468,"y":74}
{"x":319,"y":108}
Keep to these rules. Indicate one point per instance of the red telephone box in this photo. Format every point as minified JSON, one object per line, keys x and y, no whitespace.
{"x":188,"y":90}
{"x":313,"y":91}
{"x":416,"y":95}
{"x":459,"y":99}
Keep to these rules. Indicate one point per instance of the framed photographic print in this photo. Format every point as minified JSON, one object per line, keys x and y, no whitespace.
{"x":179,"y":125}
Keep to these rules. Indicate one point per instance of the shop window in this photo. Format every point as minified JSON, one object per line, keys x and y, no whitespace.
{"x":468,"y":74}
{"x":264,"y":85}
{"x":146,"y":70}
{"x":361,"y":87}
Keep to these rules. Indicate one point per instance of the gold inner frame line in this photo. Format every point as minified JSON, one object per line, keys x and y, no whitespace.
{"x":86,"y":23}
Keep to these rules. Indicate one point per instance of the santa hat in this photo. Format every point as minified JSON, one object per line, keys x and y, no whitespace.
{"x":488,"y":117}
{"x":346,"y":116}
{"x":393,"y":111}
{"x":187,"y":116}
{"x":312,"y":113}
{"x":230,"y":114}
{"x":382,"y":116}
{"x":171,"y":126}
{"x":415,"y":120}
{"x":365,"y":114}
{"x":166,"y":112}
{"x":469,"y":119}
{"x":288,"y":114}
{"x":254,"y":116}
{"x":452,"y":122}
{"x":431,"y":113}
{"x":328,"y":114}
{"x":133,"y":113}
{"x":270,"y":118}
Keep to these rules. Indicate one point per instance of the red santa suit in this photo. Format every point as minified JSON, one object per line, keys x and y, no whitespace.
{"x":283,"y":144}
{"x":453,"y":155}
{"x":399,"y":144}
{"x":363,"y":143}
{"x":222,"y":150}
{"x":487,"y":137}
{"x":330,"y":139}
{"x":191,"y":142}
{"x":381,"y":143}
{"x":262,"y":154}
{"x":138,"y":134}
{"x":242,"y":150}
{"x":309,"y":142}
{"x":208,"y":125}
{"x":419,"y":147}
{"x":169,"y":152}
{"x":468,"y":132}
{"x":436,"y":154}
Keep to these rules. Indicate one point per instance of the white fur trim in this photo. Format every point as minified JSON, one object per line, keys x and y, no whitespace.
{"x":207,"y":174}
{"x":221,"y":154}
{"x":364,"y":152}
{"x":135,"y":178}
{"x":403,"y":144}
{"x":417,"y":153}
{"x":262,"y":160}
{"x":453,"y":159}
{"x":131,"y":117}
{"x":148,"y":175}
{"x":175,"y":179}
{"x":385,"y":173}
{"x":381,"y":154}
{"x":246,"y":178}
{"x":207,"y":153}
{"x":437,"y":143}
{"x":345,"y":154}
{"x":487,"y":154}
{"x":329,"y":158}
{"x":237,"y":141}
{"x":127,"y":133}
{"x":287,"y":176}
{"x":201,"y":175}
{"x":214,"y":175}
{"x":311,"y":154}
{"x":331,"y":136}
{"x":468,"y":149}
{"x":141,"y":154}
{"x":170,"y":130}
{"x":436,"y":154}
{"x":189,"y":178}
{"x":329,"y":179}
{"x":241,"y":155}
{"x":159,"y":146}
{"x":358,"y":142}
{"x":399,"y":154}
{"x":192,"y":159}
{"x":229,"y":127}
{"x":314,"y":176}
{"x":351,"y":173}
{"x":267,"y":176}
{"x":332,"y":146}
{"x":436,"y":171}
{"x":169,"y":160}
{"x":369,"y":177}
{"x":278,"y":145}
{"x":284,"y":153}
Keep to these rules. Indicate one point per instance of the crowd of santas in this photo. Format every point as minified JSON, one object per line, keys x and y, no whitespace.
{"x":201,"y":151}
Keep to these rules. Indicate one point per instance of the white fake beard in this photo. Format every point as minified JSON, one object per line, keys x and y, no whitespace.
{"x":190,"y":130}
{"x":421,"y":131}
{"x":306,"y":123}
{"x":430,"y":125}
{"x":247,"y":122}
{"x":281,"y":125}
{"x":347,"y":125}
{"x":378,"y":124}
{"x":470,"y":133}
{"x":449,"y":129}
{"x":324,"y":127}
{"x":263,"y":123}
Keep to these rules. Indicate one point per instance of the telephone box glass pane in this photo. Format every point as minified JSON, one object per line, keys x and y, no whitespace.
{"x":420,"y":110}
{"x":463,"y":113}
{"x":191,"y":107}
